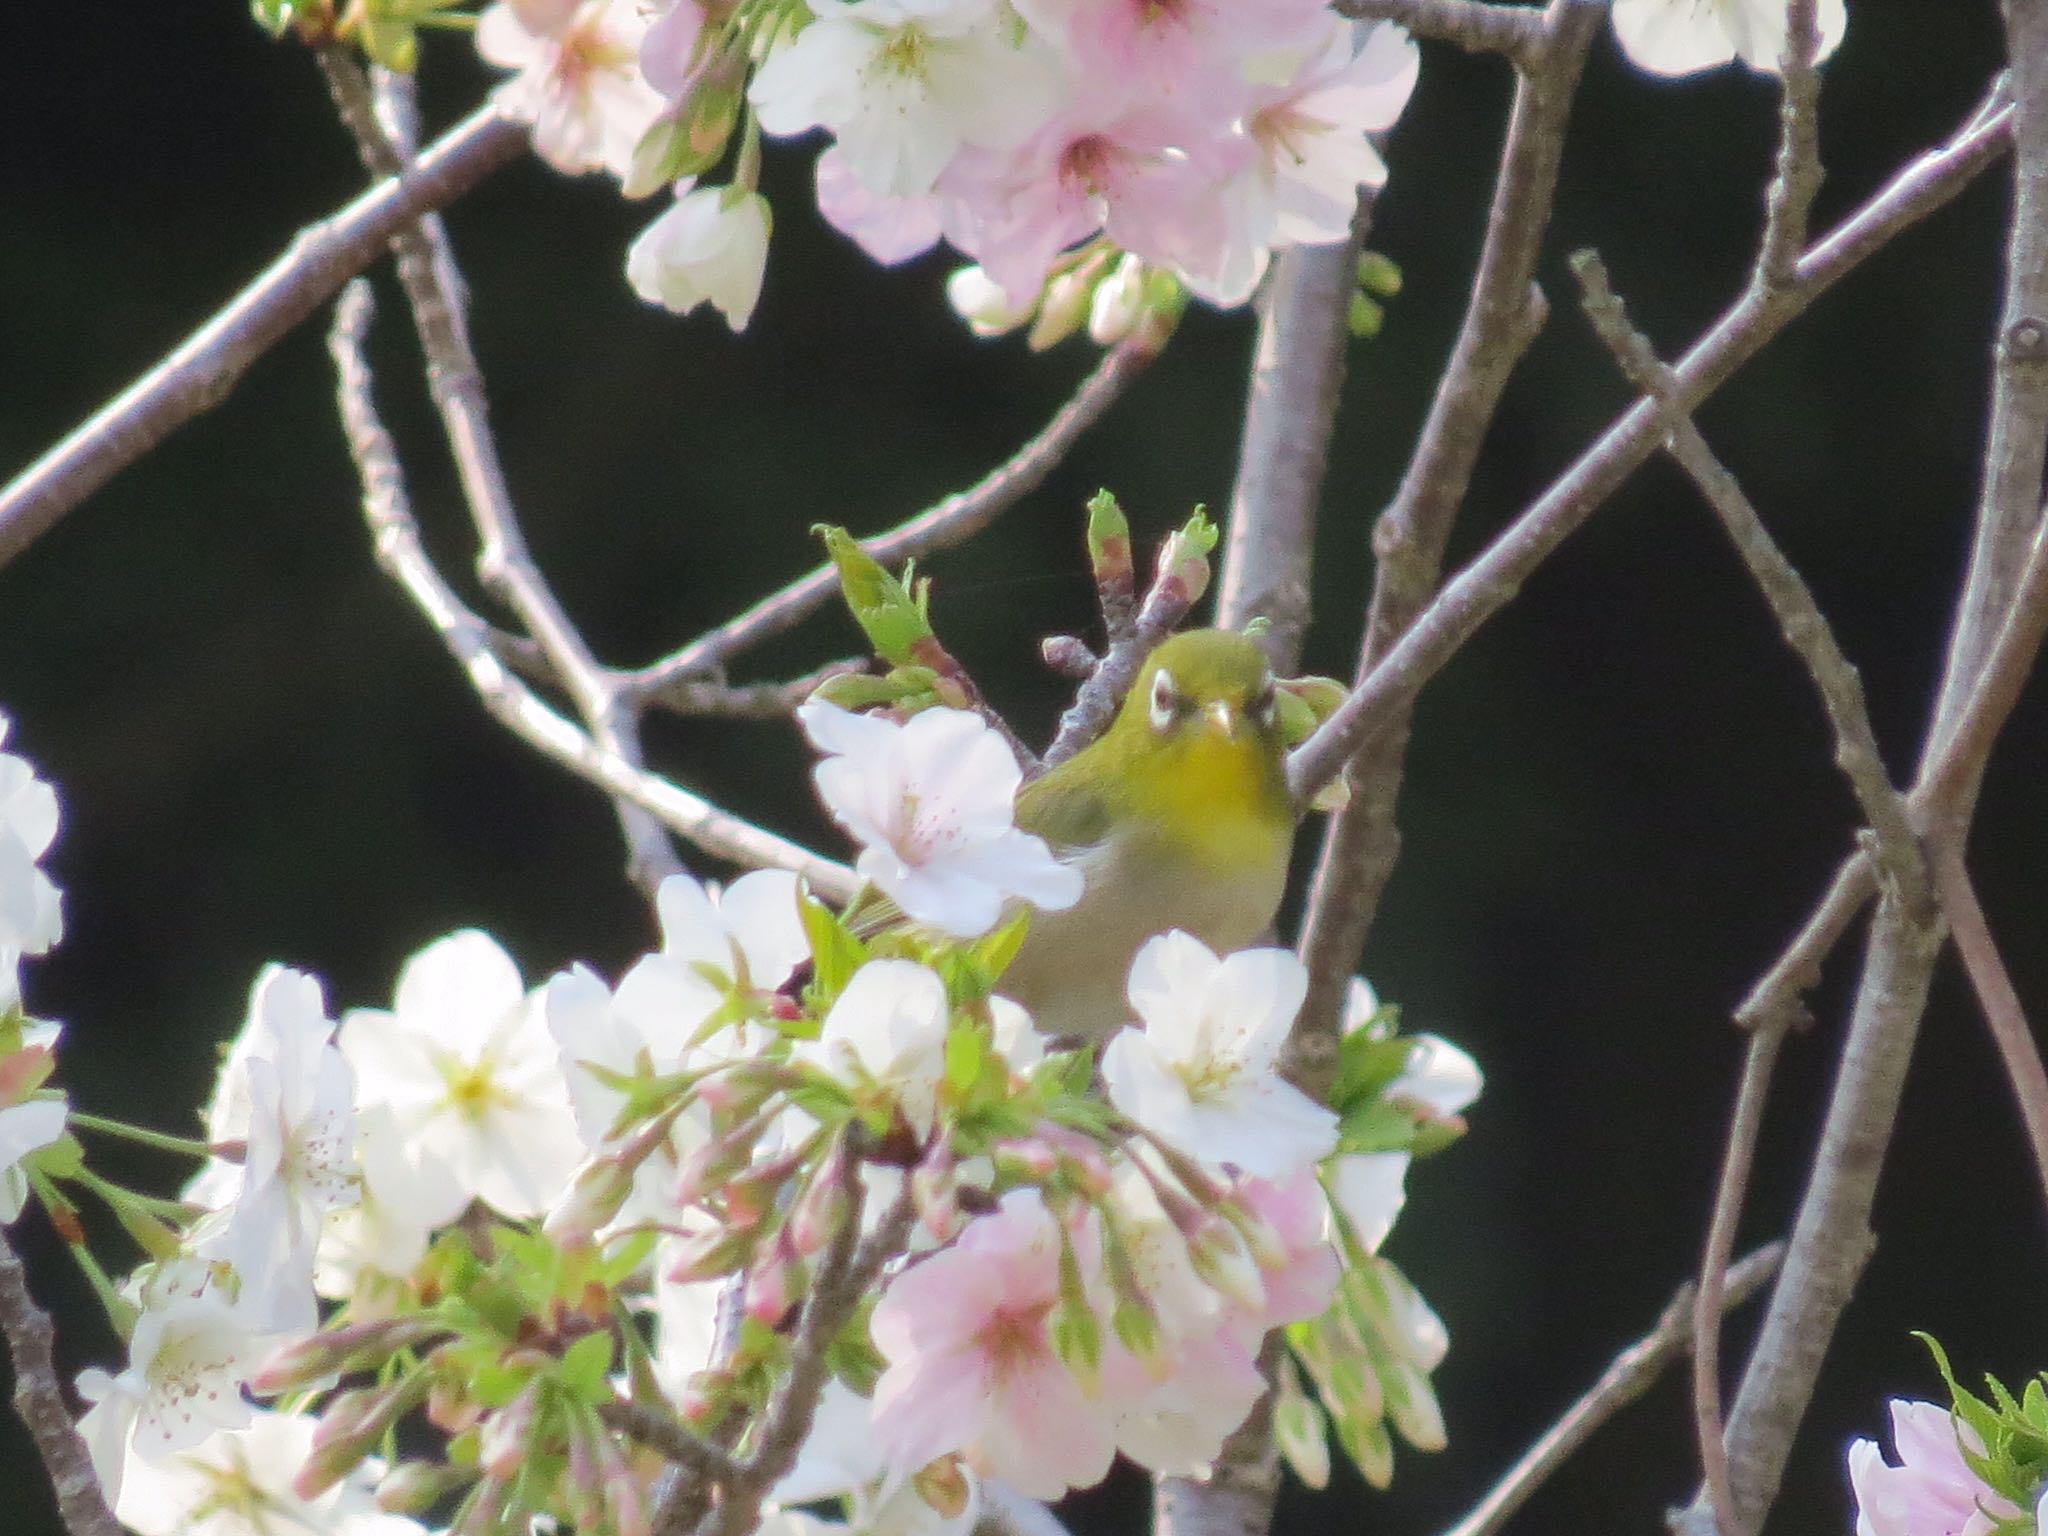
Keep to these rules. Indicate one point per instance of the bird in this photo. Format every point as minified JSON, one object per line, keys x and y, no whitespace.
{"x":1177,"y":816}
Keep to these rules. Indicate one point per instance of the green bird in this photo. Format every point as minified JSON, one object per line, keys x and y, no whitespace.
{"x":1177,"y":816}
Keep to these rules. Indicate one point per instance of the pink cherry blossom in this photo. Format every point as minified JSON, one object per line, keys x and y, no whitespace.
{"x":967,"y":1336}
{"x":1932,"y":1491}
{"x":579,"y":80}
{"x":889,"y":229}
{"x":1301,"y":1270}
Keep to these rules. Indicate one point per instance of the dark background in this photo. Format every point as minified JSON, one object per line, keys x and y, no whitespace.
{"x":1620,"y":801}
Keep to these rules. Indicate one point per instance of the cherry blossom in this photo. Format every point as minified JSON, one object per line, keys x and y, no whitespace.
{"x":710,"y":248}
{"x":470,"y":1075}
{"x":287,"y":1096}
{"x":31,"y":911}
{"x":842,"y":1459}
{"x":743,"y":941}
{"x":933,"y":805}
{"x":1370,"y":1188}
{"x":579,"y":80}
{"x":903,"y":84}
{"x":1203,"y":1072}
{"x":888,"y":1030}
{"x":1931,"y":1491}
{"x":384,"y":1233}
{"x":239,"y":1483}
{"x":890,"y":229}
{"x":194,"y":1345}
{"x":1680,"y":37}
{"x":967,"y":1336}
{"x":24,"y":1128}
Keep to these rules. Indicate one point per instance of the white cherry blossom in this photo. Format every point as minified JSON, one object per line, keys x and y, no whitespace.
{"x":384,"y":1233}
{"x":710,"y":248}
{"x":239,"y":1483}
{"x":1370,"y":1188}
{"x":1203,"y":1073}
{"x":287,"y":1095}
{"x":932,"y":804}
{"x":470,"y":1076}
{"x":31,"y":911}
{"x":24,"y":1128}
{"x":194,"y":1345}
{"x":579,"y":80}
{"x":889,"y":1028}
{"x":1680,"y":37}
{"x":903,"y":84}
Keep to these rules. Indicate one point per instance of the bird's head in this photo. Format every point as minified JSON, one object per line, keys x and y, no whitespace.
{"x":1202,"y":725}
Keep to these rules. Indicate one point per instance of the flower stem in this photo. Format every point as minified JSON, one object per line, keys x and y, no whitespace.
{"x":162,"y":1141}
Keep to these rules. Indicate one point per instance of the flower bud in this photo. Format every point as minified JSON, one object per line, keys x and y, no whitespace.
{"x":984,"y":304}
{"x":712,"y":1254}
{"x":502,"y":1441}
{"x":597,"y":1195}
{"x":1068,"y":655}
{"x":944,"y":1486}
{"x":1065,"y":305}
{"x":352,"y":1427}
{"x":414,"y":1487}
{"x":1119,"y":303}
{"x":1221,"y":1262}
{"x":1184,"y":558}
{"x":338,"y":1351}
{"x":822,"y":1209}
{"x":890,"y":613}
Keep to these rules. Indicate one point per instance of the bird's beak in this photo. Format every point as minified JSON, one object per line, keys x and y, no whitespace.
{"x":1225,"y":718}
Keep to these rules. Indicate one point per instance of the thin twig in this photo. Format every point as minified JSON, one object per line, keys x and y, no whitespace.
{"x":200,"y":372}
{"x":396,"y":539}
{"x":1167,"y":601}
{"x":1631,"y":1374}
{"x":1502,"y":317}
{"x":2000,"y":1002}
{"x":1797,"y":181}
{"x":662,"y":1432}
{"x":1473,"y":25}
{"x":435,"y":293}
{"x":1478,"y":591}
{"x":753,"y":701}
{"x":1775,"y":1001}
{"x":1745,"y":1126}
{"x":952,"y":521}
{"x":39,"y":1403}
{"x":1791,"y":601}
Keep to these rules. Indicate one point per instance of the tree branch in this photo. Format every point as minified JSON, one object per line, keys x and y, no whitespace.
{"x":1631,"y":1374}
{"x":396,"y":539}
{"x":1297,"y":378}
{"x":2001,"y":1003}
{"x":200,"y":372}
{"x":1477,"y":592}
{"x":952,"y":521}
{"x":662,"y":1432}
{"x":39,"y":1403}
{"x":435,"y":292}
{"x":1501,"y":320}
{"x":1831,"y":1236}
{"x":1473,"y":25}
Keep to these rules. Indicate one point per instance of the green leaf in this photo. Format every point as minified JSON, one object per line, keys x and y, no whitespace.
{"x":1375,"y":1126}
{"x":966,"y":1055}
{"x":585,"y":1366}
{"x":1366,"y":1062}
{"x":890,"y":612}
{"x":836,"y":953}
{"x":992,"y":955}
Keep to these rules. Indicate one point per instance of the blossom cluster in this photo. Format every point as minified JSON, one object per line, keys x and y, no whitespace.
{"x":503,"y":1211}
{"x":1073,"y":150}
{"x":1976,"y":1467}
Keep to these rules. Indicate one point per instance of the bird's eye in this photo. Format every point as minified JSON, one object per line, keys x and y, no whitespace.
{"x":1165,"y":701}
{"x":1265,"y":703}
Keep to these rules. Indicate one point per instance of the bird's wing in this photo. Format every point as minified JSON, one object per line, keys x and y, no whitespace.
{"x":1068,"y":814}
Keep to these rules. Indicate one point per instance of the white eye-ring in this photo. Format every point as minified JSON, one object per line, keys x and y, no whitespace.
{"x":1165,"y":702}
{"x":1266,"y":702}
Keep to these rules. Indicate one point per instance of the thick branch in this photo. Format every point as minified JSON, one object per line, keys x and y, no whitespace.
{"x":1482,"y":588}
{"x":952,"y":521}
{"x":39,"y":1402}
{"x":1473,"y":25}
{"x":206,"y":365}
{"x":1631,"y":1374}
{"x":399,"y":551}
{"x":1501,"y":320}
{"x":1297,"y":378}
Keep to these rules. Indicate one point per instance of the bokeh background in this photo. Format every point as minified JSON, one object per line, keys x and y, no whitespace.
{"x":1619,"y":804}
